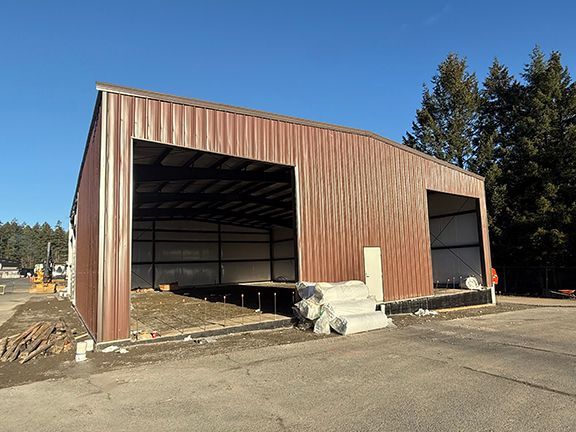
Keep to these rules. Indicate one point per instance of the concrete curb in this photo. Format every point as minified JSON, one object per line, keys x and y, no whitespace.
{"x":446,"y":301}
{"x":266,"y":325}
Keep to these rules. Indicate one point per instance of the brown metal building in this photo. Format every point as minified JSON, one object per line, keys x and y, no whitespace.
{"x":205,"y":193}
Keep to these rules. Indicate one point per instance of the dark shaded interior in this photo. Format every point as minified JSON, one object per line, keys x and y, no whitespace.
{"x":456,"y":239}
{"x":203,"y":219}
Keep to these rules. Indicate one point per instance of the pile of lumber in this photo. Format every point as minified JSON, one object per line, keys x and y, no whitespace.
{"x":41,"y":338}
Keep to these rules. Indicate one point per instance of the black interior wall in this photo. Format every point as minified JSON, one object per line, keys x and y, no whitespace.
{"x":196,"y":253}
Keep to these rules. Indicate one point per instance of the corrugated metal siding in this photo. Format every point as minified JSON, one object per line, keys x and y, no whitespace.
{"x":354,"y":191}
{"x":87,"y":232}
{"x":118,"y":214}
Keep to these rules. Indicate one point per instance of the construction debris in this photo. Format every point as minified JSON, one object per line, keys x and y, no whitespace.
{"x":142,"y":290}
{"x":116,"y":349}
{"x":42,"y":338}
{"x":80,"y":351}
{"x":425,"y":312}
{"x":200,"y":341}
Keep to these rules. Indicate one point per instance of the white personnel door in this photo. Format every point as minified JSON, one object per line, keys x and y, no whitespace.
{"x":373,"y":271}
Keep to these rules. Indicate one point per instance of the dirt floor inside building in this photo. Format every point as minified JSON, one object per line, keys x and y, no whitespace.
{"x":161,"y":314}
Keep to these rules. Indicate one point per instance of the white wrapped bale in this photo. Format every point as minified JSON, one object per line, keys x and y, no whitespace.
{"x":305,"y":289}
{"x":326,"y":292}
{"x":350,"y":307}
{"x":308,"y":308}
{"x":470,"y":283}
{"x":357,"y":323}
{"x":322,"y":324}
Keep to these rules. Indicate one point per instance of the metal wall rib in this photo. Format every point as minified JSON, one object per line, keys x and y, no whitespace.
{"x":354,"y":191}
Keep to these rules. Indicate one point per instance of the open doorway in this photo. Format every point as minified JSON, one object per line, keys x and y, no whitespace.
{"x":220,"y":230}
{"x":455,"y":239}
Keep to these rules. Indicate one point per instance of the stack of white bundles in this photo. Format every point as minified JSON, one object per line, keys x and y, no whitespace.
{"x":344,"y":306}
{"x":350,"y":324}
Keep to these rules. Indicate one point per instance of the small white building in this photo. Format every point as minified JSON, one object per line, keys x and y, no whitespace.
{"x":8,"y":269}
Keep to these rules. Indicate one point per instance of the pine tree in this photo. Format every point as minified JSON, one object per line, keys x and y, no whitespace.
{"x":59,"y":243}
{"x":445,"y":125}
{"x":538,"y":168}
{"x":497,"y":117}
{"x":12,"y":235}
{"x":27,"y":245}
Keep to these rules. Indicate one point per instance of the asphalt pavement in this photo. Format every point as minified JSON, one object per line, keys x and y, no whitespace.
{"x":537,"y":301}
{"x":15,"y":293}
{"x":512,"y":371}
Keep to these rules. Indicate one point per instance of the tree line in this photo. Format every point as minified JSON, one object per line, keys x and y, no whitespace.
{"x":27,"y":245}
{"x":520,"y":134}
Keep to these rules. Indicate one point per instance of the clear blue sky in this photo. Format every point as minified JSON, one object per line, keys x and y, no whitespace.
{"x":355,"y":63}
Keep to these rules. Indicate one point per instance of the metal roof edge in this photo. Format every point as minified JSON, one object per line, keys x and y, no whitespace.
{"x":130,"y":91}
{"x":90,"y":130}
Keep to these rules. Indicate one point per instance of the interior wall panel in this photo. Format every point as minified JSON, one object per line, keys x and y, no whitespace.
{"x":187,"y":273}
{"x":454,"y":230}
{"x":184,"y":247}
{"x":452,"y":266}
{"x":283,"y":270}
{"x":250,"y":271}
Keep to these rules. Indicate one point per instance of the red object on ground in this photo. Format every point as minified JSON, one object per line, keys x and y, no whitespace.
{"x":494,"y":276}
{"x":567,"y":292}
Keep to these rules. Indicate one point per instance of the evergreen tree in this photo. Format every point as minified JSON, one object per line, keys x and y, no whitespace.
{"x":445,"y":125}
{"x":27,"y":247}
{"x":27,"y":244}
{"x":497,"y":117}
{"x":538,"y":166}
{"x":59,"y":243}
{"x":11,"y":235}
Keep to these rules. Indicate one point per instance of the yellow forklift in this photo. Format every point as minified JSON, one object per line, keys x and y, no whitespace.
{"x":43,"y":280}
